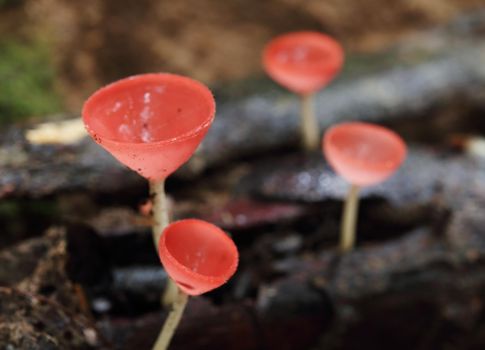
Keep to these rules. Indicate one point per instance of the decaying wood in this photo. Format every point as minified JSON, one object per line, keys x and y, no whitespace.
{"x":434,"y":281}
{"x":434,"y":70}
{"x":41,"y":308}
{"x":38,"y":266}
{"x":431,"y":280}
{"x":425,"y":175}
{"x":30,"y":321}
{"x":427,"y":282}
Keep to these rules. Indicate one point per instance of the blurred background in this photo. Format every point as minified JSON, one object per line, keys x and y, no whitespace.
{"x":54,"y":53}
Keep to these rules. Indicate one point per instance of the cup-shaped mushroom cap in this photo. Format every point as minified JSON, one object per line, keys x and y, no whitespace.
{"x":362,"y":153}
{"x":151,"y":123}
{"x":197,"y":255}
{"x":303,"y":62}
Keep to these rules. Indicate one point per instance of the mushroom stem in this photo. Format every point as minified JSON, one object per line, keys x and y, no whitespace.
{"x":160,"y":221}
{"x":310,"y":130}
{"x":160,"y":209}
{"x":170,"y":294}
{"x":349,"y":220}
{"x":171,"y":322}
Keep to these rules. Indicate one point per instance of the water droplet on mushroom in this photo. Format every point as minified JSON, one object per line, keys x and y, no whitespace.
{"x":145,"y":135}
{"x":145,"y":114}
{"x":146,"y":97}
{"x":125,"y":130}
{"x":117,"y":106}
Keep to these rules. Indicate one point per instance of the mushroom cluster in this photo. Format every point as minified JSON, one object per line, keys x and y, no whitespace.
{"x":153,"y":123}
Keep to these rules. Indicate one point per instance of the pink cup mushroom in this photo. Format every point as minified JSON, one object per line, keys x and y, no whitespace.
{"x":152,"y":123}
{"x":364,"y":154}
{"x":304,"y":62}
{"x":199,"y":257}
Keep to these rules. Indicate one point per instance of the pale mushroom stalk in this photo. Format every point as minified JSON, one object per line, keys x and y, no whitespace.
{"x":172,"y":321}
{"x":161,"y":219}
{"x":310,"y":130}
{"x":349,"y":220}
{"x":160,"y":209}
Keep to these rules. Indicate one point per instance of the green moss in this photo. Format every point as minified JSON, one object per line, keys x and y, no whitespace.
{"x":10,"y":3}
{"x":26,"y":81}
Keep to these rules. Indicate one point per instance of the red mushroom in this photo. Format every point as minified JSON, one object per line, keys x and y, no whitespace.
{"x":304,"y":62}
{"x":199,"y":257}
{"x":364,"y":154}
{"x":151,"y":123}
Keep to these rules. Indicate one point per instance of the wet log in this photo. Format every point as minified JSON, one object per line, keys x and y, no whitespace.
{"x":421,"y":291}
{"x":426,"y":175}
{"x":238,"y":327}
{"x":437,"y":69}
{"x":422,"y":281}
{"x":428,"y":284}
{"x":426,"y":190}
